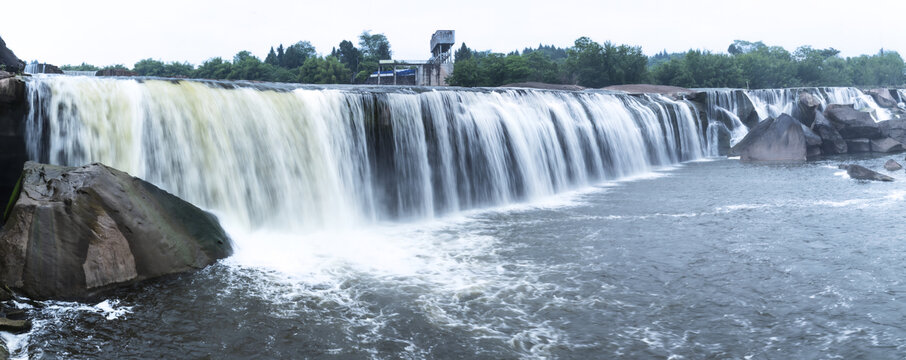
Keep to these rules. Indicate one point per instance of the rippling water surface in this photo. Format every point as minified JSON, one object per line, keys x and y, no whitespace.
{"x":710,"y":259}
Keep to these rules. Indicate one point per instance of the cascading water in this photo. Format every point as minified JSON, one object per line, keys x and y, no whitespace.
{"x":723,"y":109}
{"x":773,"y":102}
{"x":297,"y":158}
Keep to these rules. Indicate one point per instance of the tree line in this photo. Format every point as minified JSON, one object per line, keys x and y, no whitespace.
{"x":586,"y":63}
{"x":296,"y":63}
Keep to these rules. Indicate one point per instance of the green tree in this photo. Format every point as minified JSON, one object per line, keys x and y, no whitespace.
{"x":327,"y":70}
{"x":374,"y":46}
{"x":149,"y":67}
{"x":296,"y":54}
{"x":349,"y":56}
{"x":81,"y":67}
{"x":586,"y":64}
{"x":271,"y":58}
{"x":214,"y":68}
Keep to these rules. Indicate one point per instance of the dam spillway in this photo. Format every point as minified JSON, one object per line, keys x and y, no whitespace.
{"x":272,"y":156}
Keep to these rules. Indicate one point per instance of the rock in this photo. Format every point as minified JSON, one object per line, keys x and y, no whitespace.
{"x":808,"y":105}
{"x":831,"y":141}
{"x":12,"y":90}
{"x":852,"y":123}
{"x":855,"y":132}
{"x":886,"y":145}
{"x":15,"y":326}
{"x":4,"y":74}
{"x":892,"y":165}
{"x":882,"y":97}
{"x":8,"y":60}
{"x":813,"y":151}
{"x":858,"y":145}
{"x":115,"y":72}
{"x":811,"y":139}
{"x":861,"y":173}
{"x":894,"y":129}
{"x":778,"y":139}
{"x":76,"y":231}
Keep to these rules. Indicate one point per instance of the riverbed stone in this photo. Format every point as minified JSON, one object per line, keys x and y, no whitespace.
{"x":882,"y":97}
{"x":76,"y":231}
{"x":808,"y":105}
{"x":894,"y":129}
{"x":858,"y":145}
{"x":852,"y":123}
{"x":831,"y":141}
{"x":780,"y":139}
{"x":859,"y":172}
{"x":892,"y":165}
{"x":886,"y":145}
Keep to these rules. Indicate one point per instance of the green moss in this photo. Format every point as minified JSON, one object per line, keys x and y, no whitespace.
{"x":12,"y":200}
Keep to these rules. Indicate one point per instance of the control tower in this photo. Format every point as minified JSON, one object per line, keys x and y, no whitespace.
{"x":431,"y":72}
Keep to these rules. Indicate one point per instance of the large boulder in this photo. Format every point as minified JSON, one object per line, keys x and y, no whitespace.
{"x":76,"y":231}
{"x":852,"y":123}
{"x":12,"y":90}
{"x":8,"y":60}
{"x":886,"y":145}
{"x":861,"y":173}
{"x":780,"y":139}
{"x":858,"y":145}
{"x":892,"y":165}
{"x":883,"y":98}
{"x":894,"y":129}
{"x":808,"y":105}
{"x":831,"y":141}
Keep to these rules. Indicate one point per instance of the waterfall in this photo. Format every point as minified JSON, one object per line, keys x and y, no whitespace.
{"x":304,"y":158}
{"x":773,"y":102}
{"x":723,"y":109}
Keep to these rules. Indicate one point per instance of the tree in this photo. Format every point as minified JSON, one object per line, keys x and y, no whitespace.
{"x":81,"y":67}
{"x":327,"y":70}
{"x":586,"y":65}
{"x":374,"y":46}
{"x":149,"y":67}
{"x":214,"y":68}
{"x":349,"y":56}
{"x":296,"y":54}
{"x":464,"y":53}
{"x":271,"y":58}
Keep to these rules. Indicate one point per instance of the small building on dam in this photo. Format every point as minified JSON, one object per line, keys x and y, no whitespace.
{"x":431,"y":72}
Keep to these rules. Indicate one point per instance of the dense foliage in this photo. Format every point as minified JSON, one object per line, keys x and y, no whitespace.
{"x":586,"y":63}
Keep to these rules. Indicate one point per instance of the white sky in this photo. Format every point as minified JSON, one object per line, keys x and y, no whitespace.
{"x":109,"y":32}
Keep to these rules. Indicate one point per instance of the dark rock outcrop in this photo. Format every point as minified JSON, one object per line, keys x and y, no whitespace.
{"x":8,"y":60}
{"x":886,"y":145}
{"x":858,"y":145}
{"x":882,"y":97}
{"x":892,"y":165}
{"x":808,"y":105}
{"x":861,"y":173}
{"x":75,"y":231}
{"x":780,"y":139}
{"x":831,"y":141}
{"x":12,"y":90}
{"x":852,"y":123}
{"x":13,"y":109}
{"x":115,"y":72}
{"x":894,"y":129}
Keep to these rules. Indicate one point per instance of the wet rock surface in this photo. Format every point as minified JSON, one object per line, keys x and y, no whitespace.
{"x":75,"y":231}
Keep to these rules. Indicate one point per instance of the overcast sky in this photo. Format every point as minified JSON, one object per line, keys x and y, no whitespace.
{"x":123,"y":32}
